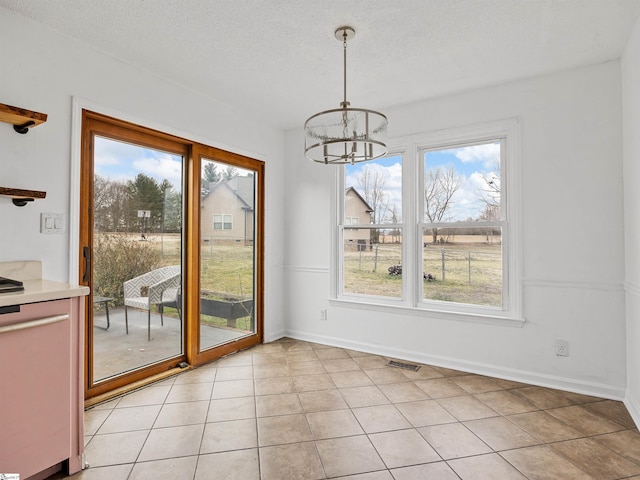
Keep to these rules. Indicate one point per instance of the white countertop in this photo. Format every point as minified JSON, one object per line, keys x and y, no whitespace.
{"x":36,"y":289}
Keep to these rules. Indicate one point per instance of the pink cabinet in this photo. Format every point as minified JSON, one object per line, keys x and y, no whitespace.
{"x":41,"y":388}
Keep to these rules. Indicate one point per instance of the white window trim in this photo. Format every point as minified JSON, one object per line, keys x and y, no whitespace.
{"x":223,"y":223}
{"x":411,"y":302}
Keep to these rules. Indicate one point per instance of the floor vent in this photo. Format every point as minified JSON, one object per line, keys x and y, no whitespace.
{"x":406,"y":366}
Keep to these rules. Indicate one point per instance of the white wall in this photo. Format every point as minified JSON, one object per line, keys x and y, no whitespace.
{"x":573,"y":240}
{"x":631,"y":145}
{"x":42,"y":71}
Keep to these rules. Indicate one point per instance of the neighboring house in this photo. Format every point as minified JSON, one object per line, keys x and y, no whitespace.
{"x":227,"y":213}
{"x":356,"y":212}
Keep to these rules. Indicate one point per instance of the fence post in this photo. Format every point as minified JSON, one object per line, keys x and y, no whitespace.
{"x":443,"y":274}
{"x":469,"y":268}
{"x":375,"y":262}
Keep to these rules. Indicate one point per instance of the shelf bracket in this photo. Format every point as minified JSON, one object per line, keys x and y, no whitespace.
{"x":24,"y":128}
{"x":21,"y":202}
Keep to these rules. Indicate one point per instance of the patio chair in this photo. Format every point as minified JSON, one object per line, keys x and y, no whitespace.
{"x":161,"y":287}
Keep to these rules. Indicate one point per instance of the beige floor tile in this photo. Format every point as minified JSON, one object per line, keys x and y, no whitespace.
{"x":368,"y":361}
{"x":484,"y":467}
{"x":476,"y":384}
{"x":176,"y":414}
{"x":333,"y":424}
{"x":237,"y":464}
{"x":306,"y":368}
{"x":169,"y":469}
{"x":543,"y":398}
{"x":403,"y":392}
{"x":440,"y":388}
{"x":172,"y":442}
{"x":425,"y":373}
{"x":466,"y":408}
{"x":500,"y":434}
{"x":448,"y":372}
{"x":542,"y":463}
{"x":190,"y":392}
{"x":231,"y":435}
{"x":283,"y":429}
{"x":381,"y":418}
{"x":281,"y":404}
{"x":270,"y":371}
{"x":625,"y":443}
{"x":242,"y":372}
{"x":198,"y":375}
{"x":130,"y":419}
{"x":103,"y":473}
{"x":115,"y":448}
{"x":612,"y":410}
{"x":454,"y":440}
{"x":584,"y":421}
{"x":235,"y":360}
{"x":301,"y":356}
{"x":331,"y":353}
{"x":272,"y":386}
{"x":350,"y":379}
{"x":271,"y":359}
{"x":436,"y":471}
{"x":579,"y":398}
{"x":402,"y":448}
{"x":297,"y":346}
{"x":322,"y":401}
{"x":311,"y":383}
{"x":357,"y":353}
{"x":298,"y":461}
{"x":379,"y":475}
{"x":425,"y":413}
{"x":544,"y":427}
{"x":221,"y":410}
{"x":505,"y":402}
{"x":93,"y":419}
{"x":366,"y":396}
{"x":509,"y":384}
{"x":232,"y":388}
{"x":151,"y":395}
{"x":380,"y":376}
{"x":348,"y":456}
{"x":340,"y":365}
{"x":595,"y":459}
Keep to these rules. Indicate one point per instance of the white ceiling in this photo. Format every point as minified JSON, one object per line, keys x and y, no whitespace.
{"x":280,"y":60}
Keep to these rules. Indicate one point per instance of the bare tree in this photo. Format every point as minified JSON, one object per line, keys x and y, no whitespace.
{"x":439,"y":187}
{"x":491,"y":197}
{"x":372,"y":186}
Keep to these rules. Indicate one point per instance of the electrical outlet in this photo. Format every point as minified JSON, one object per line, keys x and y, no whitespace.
{"x":562,"y":348}
{"x":323,"y":314}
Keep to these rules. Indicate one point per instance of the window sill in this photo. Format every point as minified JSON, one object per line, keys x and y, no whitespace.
{"x":506,"y":321}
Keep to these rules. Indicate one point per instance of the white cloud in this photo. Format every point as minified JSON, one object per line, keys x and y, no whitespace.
{"x":487,"y":153}
{"x":160,"y":167}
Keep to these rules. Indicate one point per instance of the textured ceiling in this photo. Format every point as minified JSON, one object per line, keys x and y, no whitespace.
{"x":280,"y":60}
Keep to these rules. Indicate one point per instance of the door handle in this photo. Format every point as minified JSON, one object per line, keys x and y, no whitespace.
{"x":86,"y":253}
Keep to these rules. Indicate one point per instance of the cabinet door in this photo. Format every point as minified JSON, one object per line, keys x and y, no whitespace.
{"x":35,"y":397}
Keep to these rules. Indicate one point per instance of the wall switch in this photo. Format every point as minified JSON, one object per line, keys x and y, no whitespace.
{"x":562,"y":348}
{"x":323,"y":314}
{"x":51,"y":223}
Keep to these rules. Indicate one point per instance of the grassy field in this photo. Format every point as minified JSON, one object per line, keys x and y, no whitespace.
{"x":472,"y":272}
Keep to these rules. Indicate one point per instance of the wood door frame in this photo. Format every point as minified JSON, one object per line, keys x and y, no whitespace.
{"x":93,"y":123}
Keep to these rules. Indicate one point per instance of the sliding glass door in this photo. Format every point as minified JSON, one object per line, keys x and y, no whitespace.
{"x":171,"y":247}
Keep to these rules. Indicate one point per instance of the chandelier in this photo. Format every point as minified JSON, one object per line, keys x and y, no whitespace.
{"x":345,"y":135}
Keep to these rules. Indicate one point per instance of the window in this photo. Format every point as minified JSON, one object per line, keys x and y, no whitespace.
{"x":446,"y":239}
{"x":222,"y":222}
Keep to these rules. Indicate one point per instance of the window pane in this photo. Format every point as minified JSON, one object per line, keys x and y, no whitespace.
{"x":465,"y":266}
{"x":462,"y":184}
{"x":373,"y":191}
{"x":373,"y":261}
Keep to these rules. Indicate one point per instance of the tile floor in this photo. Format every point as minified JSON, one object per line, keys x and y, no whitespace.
{"x":296,"y":410}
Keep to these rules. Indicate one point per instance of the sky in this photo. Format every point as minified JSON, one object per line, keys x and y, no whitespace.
{"x":123,"y":161}
{"x":470,"y":164}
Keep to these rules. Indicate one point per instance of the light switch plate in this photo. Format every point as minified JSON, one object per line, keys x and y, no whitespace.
{"x":52,"y":223}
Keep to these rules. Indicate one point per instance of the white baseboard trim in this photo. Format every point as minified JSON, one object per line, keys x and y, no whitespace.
{"x":611,"y":392}
{"x":633,"y":407}
{"x":273,"y":336}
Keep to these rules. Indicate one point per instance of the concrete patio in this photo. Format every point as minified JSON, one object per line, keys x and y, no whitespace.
{"x":115,"y":352}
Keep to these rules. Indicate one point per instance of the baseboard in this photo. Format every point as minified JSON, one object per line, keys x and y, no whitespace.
{"x":633,"y":407}
{"x":533,"y":378}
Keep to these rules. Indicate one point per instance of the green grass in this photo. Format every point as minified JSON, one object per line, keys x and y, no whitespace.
{"x":478,"y":282}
